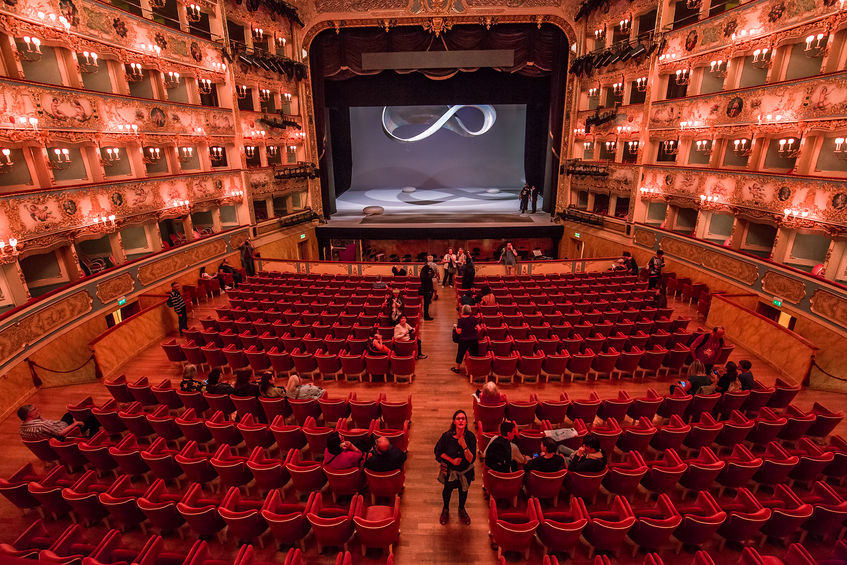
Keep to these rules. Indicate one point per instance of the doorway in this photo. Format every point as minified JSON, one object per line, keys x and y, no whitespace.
{"x":304,"y":250}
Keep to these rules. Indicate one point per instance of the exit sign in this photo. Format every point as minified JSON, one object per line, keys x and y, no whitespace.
{"x":577,"y":235}
{"x":777,"y":302}
{"x":302,"y":236}
{"x":121,"y":300}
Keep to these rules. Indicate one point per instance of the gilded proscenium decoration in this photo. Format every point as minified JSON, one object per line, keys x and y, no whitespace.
{"x":718,"y":262}
{"x":28,"y":330}
{"x":115,"y":287}
{"x":789,"y":289}
{"x":101,"y":115}
{"x":262,"y":183}
{"x":158,"y":270}
{"x":797,"y":100}
{"x":829,"y":306}
{"x":645,"y":238}
{"x":758,"y":16}
{"x":96,"y":21}
{"x":34,"y":215}
{"x":747,"y":190}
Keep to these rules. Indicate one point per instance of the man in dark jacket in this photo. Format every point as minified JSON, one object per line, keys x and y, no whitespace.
{"x":427,"y":288}
{"x":501,"y":454}
{"x":384,"y":457}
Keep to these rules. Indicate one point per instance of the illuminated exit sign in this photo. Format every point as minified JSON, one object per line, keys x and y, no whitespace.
{"x":302,"y":236}
{"x":577,"y":235}
{"x":777,"y":302}
{"x":121,"y":300}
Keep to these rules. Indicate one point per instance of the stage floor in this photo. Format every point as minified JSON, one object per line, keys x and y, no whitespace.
{"x":441,"y":205}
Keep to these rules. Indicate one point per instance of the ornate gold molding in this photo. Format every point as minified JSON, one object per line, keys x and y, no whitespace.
{"x":158,"y":270}
{"x":115,"y":287}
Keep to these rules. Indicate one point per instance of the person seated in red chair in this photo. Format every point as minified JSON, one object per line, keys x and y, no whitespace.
{"x":489,"y":395}
{"x":340,"y":454}
{"x":34,"y":427}
{"x":214,"y":384}
{"x":549,"y":460}
{"x":376,"y":346}
{"x":384,"y":457}
{"x":243,"y":386}
{"x":403,"y":331}
{"x":225,"y":267}
{"x":589,"y":458}
{"x":502,"y":454}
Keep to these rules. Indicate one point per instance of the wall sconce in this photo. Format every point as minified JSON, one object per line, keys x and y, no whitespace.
{"x":32,"y":49}
{"x":88,"y":63}
{"x":762,"y":57}
{"x":681,"y":76}
{"x":52,"y":20}
{"x":151,"y":155}
{"x":171,"y":79}
{"x":625,"y":25}
{"x":704,"y":146}
{"x":624,"y":130}
{"x":709,"y":201}
{"x":272,"y":150}
{"x":250,"y":151}
{"x":593,"y":92}
{"x":234,"y":194}
{"x":205,"y":85}
{"x":185,"y":153}
{"x":287,"y":96}
{"x":292,"y":148}
{"x":600,"y":34}
{"x":280,"y":43}
{"x":109,"y":156}
{"x":719,"y":67}
{"x":791,"y":213}
{"x":60,"y":159}
{"x":150,"y":48}
{"x":6,"y":162}
{"x":185,"y":205}
{"x":670,"y":146}
{"x":770,"y":118}
{"x":815,"y":45}
{"x":241,"y":91}
{"x":193,"y":13}
{"x":611,"y":146}
{"x":840,"y":147}
{"x":127,"y":128}
{"x":742,"y":147}
{"x":104,"y":223}
{"x":788,"y":149}
{"x":617,"y":89}
{"x":578,"y":131}
{"x":219,"y":67}
{"x":641,"y":84}
{"x":688,"y":124}
{"x":648,"y":192}
{"x":134,"y":72}
{"x":10,"y":248}
{"x":216,"y":153}
{"x":587,"y":146}
{"x":258,"y":34}
{"x":632,"y":147}
{"x":32,"y":121}
{"x":264,"y":94}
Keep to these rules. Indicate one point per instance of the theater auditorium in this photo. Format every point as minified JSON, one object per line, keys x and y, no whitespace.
{"x":423,"y":282}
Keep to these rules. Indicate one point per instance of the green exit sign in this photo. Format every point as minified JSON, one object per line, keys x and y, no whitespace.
{"x":577,"y":235}
{"x":121,"y":301}
{"x":777,"y":302}
{"x":302,"y":236}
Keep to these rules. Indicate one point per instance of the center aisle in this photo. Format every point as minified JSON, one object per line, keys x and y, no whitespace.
{"x":437,"y":393}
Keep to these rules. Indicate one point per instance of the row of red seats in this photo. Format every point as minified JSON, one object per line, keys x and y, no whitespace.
{"x":329,"y":366}
{"x":796,"y":554}
{"x":307,"y":312}
{"x":819,"y":422}
{"x":245,"y":520}
{"x":584,"y":364}
{"x":744,"y":519}
{"x":266,"y":409}
{"x":128,"y":453}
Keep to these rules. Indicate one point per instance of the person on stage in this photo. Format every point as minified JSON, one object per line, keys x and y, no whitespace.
{"x":524,"y":196}
{"x":535,"y":192}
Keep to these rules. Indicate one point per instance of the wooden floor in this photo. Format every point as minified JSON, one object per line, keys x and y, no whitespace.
{"x":437,"y":394}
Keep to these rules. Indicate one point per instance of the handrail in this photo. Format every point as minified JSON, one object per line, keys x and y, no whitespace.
{"x":392,"y":263}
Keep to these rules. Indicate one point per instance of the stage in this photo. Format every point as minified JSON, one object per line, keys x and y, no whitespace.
{"x":411,"y":201}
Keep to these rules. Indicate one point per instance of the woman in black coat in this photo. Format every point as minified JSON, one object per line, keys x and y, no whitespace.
{"x":456,"y":452}
{"x":469,"y":273}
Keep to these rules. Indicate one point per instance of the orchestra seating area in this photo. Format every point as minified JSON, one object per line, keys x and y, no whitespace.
{"x":745,"y":477}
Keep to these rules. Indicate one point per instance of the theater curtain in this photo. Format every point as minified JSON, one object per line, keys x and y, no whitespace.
{"x":536,"y":50}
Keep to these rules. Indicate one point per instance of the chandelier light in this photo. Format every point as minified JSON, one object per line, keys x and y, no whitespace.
{"x":205,"y":85}
{"x":171,"y":79}
{"x":742,"y":147}
{"x":670,"y":146}
{"x":89,"y":62}
{"x":641,"y":84}
{"x":762,"y":57}
{"x":789,"y":147}
{"x":815,"y":45}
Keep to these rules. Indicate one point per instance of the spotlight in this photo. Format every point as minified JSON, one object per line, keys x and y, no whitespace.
{"x":639,"y":50}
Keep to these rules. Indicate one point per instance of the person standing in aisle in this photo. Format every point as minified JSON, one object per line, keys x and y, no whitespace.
{"x":450,"y":265}
{"x":509,"y":257}
{"x":654,"y":269}
{"x":456,"y":453}
{"x":427,"y":288}
{"x":176,"y":302}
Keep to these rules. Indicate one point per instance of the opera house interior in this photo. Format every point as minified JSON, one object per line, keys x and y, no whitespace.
{"x":277,"y":277}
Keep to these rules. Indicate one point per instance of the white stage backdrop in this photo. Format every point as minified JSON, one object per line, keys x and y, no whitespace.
{"x":477,"y":145}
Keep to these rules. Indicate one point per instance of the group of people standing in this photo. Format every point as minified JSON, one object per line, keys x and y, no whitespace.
{"x":529,"y":193}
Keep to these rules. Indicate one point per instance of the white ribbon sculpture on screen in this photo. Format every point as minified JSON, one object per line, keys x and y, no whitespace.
{"x":394,"y":118}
